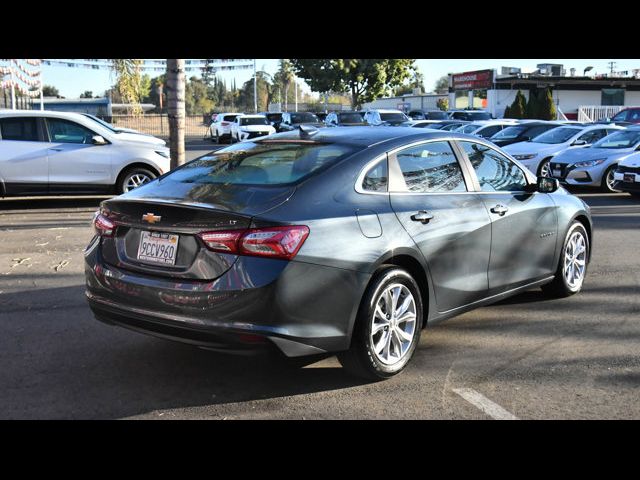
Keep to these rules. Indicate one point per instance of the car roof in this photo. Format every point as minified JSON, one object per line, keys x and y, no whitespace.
{"x":365,"y":136}
{"x":385,"y":110}
{"x":42,"y":113}
{"x":252,"y":115}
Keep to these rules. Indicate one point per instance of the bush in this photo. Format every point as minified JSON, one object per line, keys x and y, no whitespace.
{"x":518,"y":107}
{"x":548,"y":107}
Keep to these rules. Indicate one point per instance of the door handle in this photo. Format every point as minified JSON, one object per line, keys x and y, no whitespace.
{"x":500,"y":209}
{"x":422,"y":216}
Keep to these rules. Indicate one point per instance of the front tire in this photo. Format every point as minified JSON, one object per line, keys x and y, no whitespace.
{"x":608,"y":180}
{"x":387,"y":328}
{"x":544,"y":169}
{"x":133,"y":178}
{"x":572,"y":265}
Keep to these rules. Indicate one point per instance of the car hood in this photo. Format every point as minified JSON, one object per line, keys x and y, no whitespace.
{"x":584,"y":154}
{"x":534,"y":147}
{"x":139,"y":138}
{"x":256,"y":128}
{"x":631,"y":161}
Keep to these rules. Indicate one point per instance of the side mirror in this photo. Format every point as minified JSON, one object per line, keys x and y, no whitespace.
{"x":98,"y":140}
{"x":548,"y":184}
{"x":579,"y":142}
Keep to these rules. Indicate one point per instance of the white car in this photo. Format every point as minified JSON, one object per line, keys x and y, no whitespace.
{"x":46,"y":152}
{"x":627,"y":176}
{"x":536,"y":153}
{"x":383,"y":117}
{"x":485,"y":128}
{"x":221,"y":128}
{"x":246,"y":127}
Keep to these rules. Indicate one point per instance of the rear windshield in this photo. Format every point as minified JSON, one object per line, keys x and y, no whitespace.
{"x":479,"y":115}
{"x":229,"y":118}
{"x":509,"y":133}
{"x":393,"y":117}
{"x":350,"y":118}
{"x":274,"y":117}
{"x":263,"y":163}
{"x":254,"y":121}
{"x":304,"y":117}
{"x":436,"y":115}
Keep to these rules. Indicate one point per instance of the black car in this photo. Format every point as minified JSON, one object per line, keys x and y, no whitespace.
{"x":293,"y":120}
{"x":344,"y":119}
{"x":274,"y":119}
{"x":469,"y":115}
{"x":347,"y":240}
{"x":321,"y":116}
{"x":427,"y":115}
{"x":521,"y":132}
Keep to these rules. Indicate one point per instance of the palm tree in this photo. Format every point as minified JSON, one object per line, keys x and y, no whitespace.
{"x":129,"y":82}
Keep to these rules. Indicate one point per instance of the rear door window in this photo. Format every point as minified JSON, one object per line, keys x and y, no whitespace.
{"x":21,"y":129}
{"x":431,"y":168}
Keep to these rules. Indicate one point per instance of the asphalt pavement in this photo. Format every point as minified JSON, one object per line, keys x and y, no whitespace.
{"x":527,"y":357}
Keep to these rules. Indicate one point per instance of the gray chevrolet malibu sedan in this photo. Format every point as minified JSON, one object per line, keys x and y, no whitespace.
{"x":347,"y":240}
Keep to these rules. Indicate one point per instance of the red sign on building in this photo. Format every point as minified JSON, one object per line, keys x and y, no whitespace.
{"x":478,"y":80}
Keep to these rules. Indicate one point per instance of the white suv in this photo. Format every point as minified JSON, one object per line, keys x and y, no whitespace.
{"x":246,"y":127}
{"x":221,"y":127}
{"x":383,"y":117}
{"x":45,"y":152}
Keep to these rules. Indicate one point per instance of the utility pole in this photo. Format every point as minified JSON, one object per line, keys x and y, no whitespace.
{"x":13,"y":87}
{"x":296,"y":84}
{"x":612,"y":65}
{"x":41,"y":95}
{"x":255,"y":87}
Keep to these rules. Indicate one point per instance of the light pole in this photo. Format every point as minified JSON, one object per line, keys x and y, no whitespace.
{"x":13,"y":88}
{"x":255,"y":87}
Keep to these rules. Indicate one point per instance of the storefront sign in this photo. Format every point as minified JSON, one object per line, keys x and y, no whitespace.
{"x":478,"y":80}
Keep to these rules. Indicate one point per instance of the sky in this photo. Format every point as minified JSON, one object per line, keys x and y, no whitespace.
{"x":72,"y":82}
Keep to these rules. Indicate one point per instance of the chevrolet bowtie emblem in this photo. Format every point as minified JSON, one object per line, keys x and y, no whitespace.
{"x":151,"y":218}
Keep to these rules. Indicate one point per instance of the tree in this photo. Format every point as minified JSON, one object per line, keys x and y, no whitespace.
{"x":507,"y":112}
{"x":443,"y":104}
{"x":442,"y":84}
{"x":417,"y":81}
{"x":50,"y":91}
{"x":86,"y":94}
{"x":282,"y":79}
{"x":176,"y":109}
{"x":518,"y":107}
{"x":365,"y":79}
{"x":197,"y":99}
{"x":128,"y":82}
{"x":548,"y":109}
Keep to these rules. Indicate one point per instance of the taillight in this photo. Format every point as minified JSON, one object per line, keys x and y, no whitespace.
{"x":103,"y":226}
{"x":224,"y":124}
{"x":272,"y":242}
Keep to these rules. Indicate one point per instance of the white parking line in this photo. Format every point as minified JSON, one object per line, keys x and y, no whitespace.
{"x":478,"y":400}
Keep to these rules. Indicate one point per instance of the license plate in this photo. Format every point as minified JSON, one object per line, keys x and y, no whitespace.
{"x":557,"y":173}
{"x":158,"y":247}
{"x":629,"y":177}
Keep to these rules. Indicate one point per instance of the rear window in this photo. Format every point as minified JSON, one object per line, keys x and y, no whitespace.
{"x":393,"y":117}
{"x":24,"y":129}
{"x":304,"y":118}
{"x":229,"y":118}
{"x":263,"y":163}
{"x":274,"y":117}
{"x":254,"y":121}
{"x":350,"y":118}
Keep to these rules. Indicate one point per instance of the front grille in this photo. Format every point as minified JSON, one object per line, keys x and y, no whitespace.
{"x":623,"y":169}
{"x":257,"y":134}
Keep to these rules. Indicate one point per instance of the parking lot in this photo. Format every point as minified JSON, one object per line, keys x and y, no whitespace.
{"x":527,"y":357}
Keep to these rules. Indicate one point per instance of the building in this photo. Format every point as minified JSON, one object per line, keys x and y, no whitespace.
{"x":408,"y":102}
{"x":100,"y":107}
{"x":572,"y":94}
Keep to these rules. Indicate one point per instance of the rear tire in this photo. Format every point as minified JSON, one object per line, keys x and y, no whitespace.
{"x":133,"y":178}
{"x":387,"y":328}
{"x":564,"y":284}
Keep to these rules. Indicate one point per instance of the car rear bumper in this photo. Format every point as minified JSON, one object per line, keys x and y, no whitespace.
{"x":302,"y":309}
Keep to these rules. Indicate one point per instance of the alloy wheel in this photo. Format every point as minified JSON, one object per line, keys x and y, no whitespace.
{"x":545,"y":171}
{"x":135,"y":180}
{"x":393,"y":324}
{"x":575,"y":260}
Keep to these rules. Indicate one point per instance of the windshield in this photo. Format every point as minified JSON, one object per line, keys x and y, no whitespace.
{"x":437,"y":115}
{"x":478,"y":116}
{"x":263,"y":163}
{"x":556,"y":135}
{"x":350,"y":118}
{"x":254,"y":121}
{"x":393,"y":117}
{"x":304,"y":117}
{"x":626,"y":139}
{"x":509,"y":133}
{"x":620,"y":116}
{"x":435,"y":126}
{"x":274,"y":117}
{"x":106,"y":125}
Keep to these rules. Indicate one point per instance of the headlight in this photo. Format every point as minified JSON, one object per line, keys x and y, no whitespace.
{"x":589,"y":163}
{"x":162,"y":154}
{"x":525,"y":156}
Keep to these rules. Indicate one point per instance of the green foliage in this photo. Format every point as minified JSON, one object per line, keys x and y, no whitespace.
{"x":50,"y":91}
{"x":442,"y":84}
{"x":518,"y":107}
{"x":548,"y":109}
{"x":364,"y":79}
{"x":443,"y":104}
{"x":129,"y":82}
{"x":197,"y":99}
{"x":507,"y":112}
{"x":86,"y":94}
{"x":531,"y":110}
